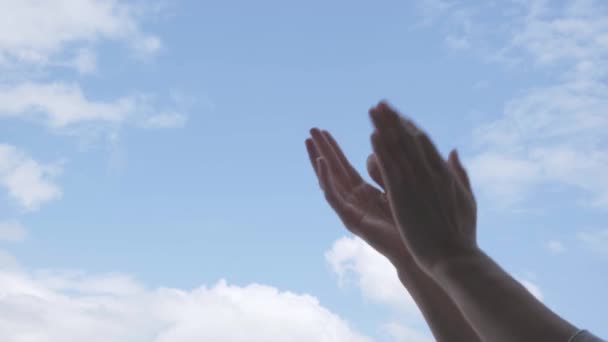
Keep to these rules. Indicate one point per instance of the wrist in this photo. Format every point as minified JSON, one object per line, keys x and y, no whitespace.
{"x":473,"y":260}
{"x":407,"y":270}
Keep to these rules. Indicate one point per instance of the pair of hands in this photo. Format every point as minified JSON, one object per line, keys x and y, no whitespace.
{"x":424,"y":211}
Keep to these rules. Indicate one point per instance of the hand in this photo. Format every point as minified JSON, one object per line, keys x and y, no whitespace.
{"x":431,"y":201}
{"x":363,"y":208}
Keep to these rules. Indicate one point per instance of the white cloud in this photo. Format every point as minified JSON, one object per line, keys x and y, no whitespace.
{"x":352,"y":259}
{"x":12,"y":230}
{"x":60,"y":104}
{"x":374,"y":274}
{"x":36,"y":32}
{"x":73,"y":306}
{"x":555,"y":247}
{"x":595,"y":240}
{"x":64,"y":106}
{"x":65,"y":33}
{"x":27,"y":181}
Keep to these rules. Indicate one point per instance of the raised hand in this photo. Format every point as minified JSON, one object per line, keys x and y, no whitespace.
{"x":365,"y":211}
{"x":363,"y":208}
{"x":431,"y":201}
{"x":435,"y":212}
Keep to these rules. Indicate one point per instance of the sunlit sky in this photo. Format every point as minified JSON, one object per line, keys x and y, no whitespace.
{"x":154,"y":183}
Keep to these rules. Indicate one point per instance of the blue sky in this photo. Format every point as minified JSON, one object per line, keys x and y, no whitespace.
{"x":154,"y":184}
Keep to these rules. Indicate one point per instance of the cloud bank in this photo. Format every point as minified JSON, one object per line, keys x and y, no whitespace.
{"x":41,"y":306}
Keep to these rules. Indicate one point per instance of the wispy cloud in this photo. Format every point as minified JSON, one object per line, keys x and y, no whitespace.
{"x":551,"y":133}
{"x":28,"y":182}
{"x":62,"y":105}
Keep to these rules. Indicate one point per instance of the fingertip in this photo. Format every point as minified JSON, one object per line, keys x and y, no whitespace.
{"x":457,"y":160}
{"x":374,"y":113}
{"x":457,"y":156}
{"x":452,"y":155}
{"x":327,"y":134}
{"x":371,"y":158}
{"x":383,"y":104}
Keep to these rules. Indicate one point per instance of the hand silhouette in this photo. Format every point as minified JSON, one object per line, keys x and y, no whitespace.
{"x":431,"y":200}
{"x":363,"y":208}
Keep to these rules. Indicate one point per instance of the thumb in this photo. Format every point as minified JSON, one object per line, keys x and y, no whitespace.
{"x":456,"y":166}
{"x":374,"y":170}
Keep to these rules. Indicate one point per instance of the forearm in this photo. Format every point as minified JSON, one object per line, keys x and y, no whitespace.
{"x":496,"y":305}
{"x":441,"y":314}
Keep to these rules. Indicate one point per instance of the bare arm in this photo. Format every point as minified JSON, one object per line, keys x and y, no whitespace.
{"x":436,"y":216}
{"x":500,"y":308}
{"x":441,"y":314}
{"x":364,"y":210}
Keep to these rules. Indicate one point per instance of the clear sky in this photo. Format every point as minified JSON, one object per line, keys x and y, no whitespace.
{"x":154,"y":183}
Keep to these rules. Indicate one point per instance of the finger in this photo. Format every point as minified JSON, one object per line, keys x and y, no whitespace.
{"x":403,"y":138}
{"x":410,"y":125}
{"x":394,"y":168}
{"x":354,"y":176}
{"x":431,"y":155}
{"x":374,"y":170}
{"x":398,"y":130}
{"x":454,"y":161}
{"x":327,"y":152}
{"x":313,"y":154}
{"x":398,"y":179}
{"x":385,"y":120}
{"x":333,"y":197}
